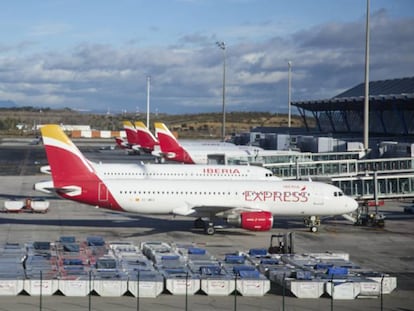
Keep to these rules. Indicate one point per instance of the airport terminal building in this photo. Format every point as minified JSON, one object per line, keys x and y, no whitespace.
{"x":391,"y":109}
{"x":336,"y":124}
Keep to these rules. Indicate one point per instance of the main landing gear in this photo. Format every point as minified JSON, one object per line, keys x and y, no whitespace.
{"x":313,"y":223}
{"x":207,"y":225}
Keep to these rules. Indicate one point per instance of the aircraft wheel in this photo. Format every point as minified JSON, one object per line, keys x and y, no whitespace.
{"x":314,"y":229}
{"x":209,"y":230}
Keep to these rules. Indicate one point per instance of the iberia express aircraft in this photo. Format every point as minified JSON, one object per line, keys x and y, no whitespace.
{"x":250,"y":204}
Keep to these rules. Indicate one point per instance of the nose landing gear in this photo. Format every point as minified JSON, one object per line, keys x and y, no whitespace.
{"x":313,"y":223}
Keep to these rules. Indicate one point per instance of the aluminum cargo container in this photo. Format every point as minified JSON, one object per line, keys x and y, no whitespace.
{"x":108,"y":285}
{"x":75,"y":286}
{"x":180,"y":281}
{"x":313,"y":288}
{"x":39,"y":206}
{"x":44,"y":287}
{"x":11,"y":287}
{"x":13,"y":206}
{"x":214,"y":281}
{"x":342,"y":288}
{"x":147,"y":284}
{"x":389,"y":283}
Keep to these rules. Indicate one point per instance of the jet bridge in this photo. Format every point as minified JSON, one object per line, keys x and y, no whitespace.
{"x":368,"y":181}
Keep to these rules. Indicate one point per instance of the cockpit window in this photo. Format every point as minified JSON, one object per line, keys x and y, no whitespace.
{"x":338,"y":194}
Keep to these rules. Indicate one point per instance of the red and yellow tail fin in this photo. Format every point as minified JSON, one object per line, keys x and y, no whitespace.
{"x":65,"y":159}
{"x":146,"y":139}
{"x":170,"y":146}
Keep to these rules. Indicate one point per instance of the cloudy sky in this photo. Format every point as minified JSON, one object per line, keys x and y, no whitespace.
{"x":96,"y":55}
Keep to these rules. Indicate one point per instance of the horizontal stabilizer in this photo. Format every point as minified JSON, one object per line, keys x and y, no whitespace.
{"x":44,"y":186}
{"x":45,"y":169}
{"x":48,"y":187}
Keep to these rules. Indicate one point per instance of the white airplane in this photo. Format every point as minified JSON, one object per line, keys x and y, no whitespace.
{"x":250,"y":204}
{"x":168,"y":171}
{"x":196,"y":153}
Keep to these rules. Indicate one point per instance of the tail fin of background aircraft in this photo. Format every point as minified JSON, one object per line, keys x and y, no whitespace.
{"x":66,"y":162}
{"x":131,"y":133}
{"x":145,"y":137}
{"x":170,"y":146}
{"x":121,"y":143}
{"x":168,"y":142}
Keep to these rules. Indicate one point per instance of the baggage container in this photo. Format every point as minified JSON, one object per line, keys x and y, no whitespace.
{"x":369,"y":288}
{"x":106,"y":285}
{"x":214,"y":281}
{"x":45,"y":287}
{"x":181,"y":281}
{"x":389,"y":283}
{"x":313,"y":288}
{"x":11,"y":287}
{"x":342,"y":289}
{"x":39,"y":205}
{"x":146,"y":284}
{"x":75,"y":286}
{"x":13,"y":206}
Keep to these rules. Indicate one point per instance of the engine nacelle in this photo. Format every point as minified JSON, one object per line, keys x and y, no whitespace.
{"x":253,"y":221}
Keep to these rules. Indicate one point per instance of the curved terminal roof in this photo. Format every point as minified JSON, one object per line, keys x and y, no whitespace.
{"x":391,"y":108}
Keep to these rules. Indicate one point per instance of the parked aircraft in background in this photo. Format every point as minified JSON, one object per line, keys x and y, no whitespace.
{"x":139,"y":138}
{"x":146,"y":139}
{"x":199,"y":153}
{"x":122,"y":143}
{"x":250,"y":204}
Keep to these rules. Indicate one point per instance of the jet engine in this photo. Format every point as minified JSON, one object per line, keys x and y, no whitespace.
{"x":253,"y":221}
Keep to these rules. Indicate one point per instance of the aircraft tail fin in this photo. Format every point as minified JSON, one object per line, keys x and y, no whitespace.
{"x":73,"y":175}
{"x":168,"y":142}
{"x":66,"y":161}
{"x":131,"y":132}
{"x":146,"y":139}
{"x":170,"y":146}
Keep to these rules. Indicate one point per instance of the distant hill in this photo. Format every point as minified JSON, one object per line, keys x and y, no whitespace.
{"x":203,"y":125}
{"x":7,"y":104}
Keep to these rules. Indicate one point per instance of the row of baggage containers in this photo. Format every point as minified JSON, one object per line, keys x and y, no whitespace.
{"x":187,"y":269}
{"x":34,"y":205}
{"x":312,"y":275}
{"x":76,"y":268}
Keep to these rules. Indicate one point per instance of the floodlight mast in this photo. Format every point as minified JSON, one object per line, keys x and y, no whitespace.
{"x":366,"y":100}
{"x":222,"y":46}
{"x":289,"y":92}
{"x":148,"y":100}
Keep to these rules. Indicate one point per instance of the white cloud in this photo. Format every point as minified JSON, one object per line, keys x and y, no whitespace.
{"x":326,"y":59}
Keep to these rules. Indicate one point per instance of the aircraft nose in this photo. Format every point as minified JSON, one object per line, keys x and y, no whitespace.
{"x":352,"y":204}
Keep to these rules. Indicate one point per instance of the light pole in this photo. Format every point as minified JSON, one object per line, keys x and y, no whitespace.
{"x":148,"y":99}
{"x":366,"y":99}
{"x":289,"y":91}
{"x":222,"y":46}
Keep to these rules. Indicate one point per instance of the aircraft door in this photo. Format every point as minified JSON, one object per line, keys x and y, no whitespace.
{"x":102,"y":192}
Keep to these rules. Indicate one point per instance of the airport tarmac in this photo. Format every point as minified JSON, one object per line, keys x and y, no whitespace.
{"x":388,"y":250}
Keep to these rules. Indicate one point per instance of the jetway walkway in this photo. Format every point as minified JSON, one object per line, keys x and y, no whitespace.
{"x":341,"y":168}
{"x":390,"y":186}
{"x":394,"y":177}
